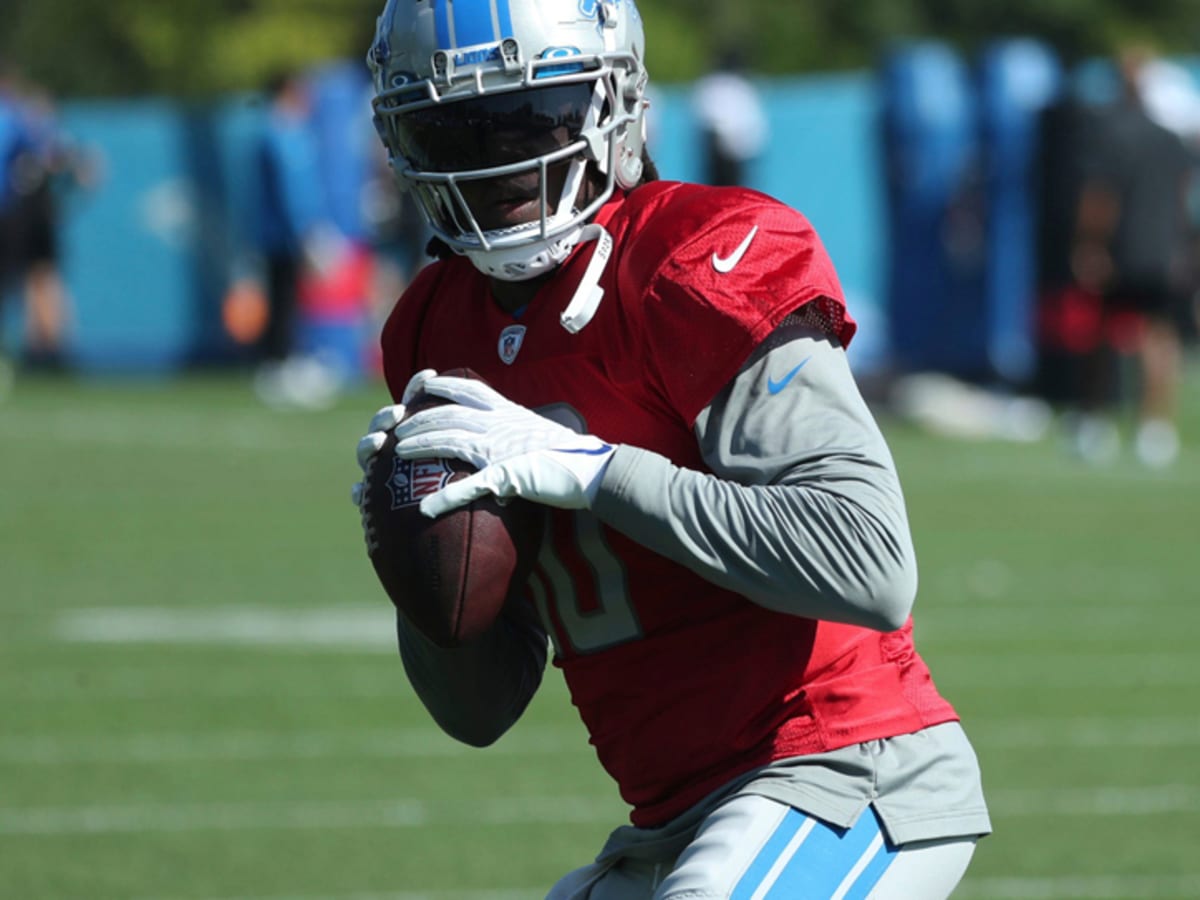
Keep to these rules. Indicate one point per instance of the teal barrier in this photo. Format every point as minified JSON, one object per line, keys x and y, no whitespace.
{"x":150,"y":253}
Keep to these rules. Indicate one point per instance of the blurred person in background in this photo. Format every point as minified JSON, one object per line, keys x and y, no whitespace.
{"x":1172,"y":99}
{"x":399,"y":238}
{"x":53,"y":163}
{"x":1130,"y":249}
{"x":14,"y":142}
{"x":38,"y":161}
{"x":298,"y":240}
{"x":397,"y":228}
{"x":732,"y":120}
{"x":1075,"y":365}
{"x":1115,"y":257}
{"x":729,"y":585}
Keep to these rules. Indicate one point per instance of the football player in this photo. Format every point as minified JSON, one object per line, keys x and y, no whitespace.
{"x":729,"y":573}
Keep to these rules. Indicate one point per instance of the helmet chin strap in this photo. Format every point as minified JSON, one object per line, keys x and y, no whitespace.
{"x":528,"y":261}
{"x":588,"y":294}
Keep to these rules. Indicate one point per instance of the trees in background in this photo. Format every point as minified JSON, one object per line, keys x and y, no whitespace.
{"x":188,"y":48}
{"x":197,"y":47}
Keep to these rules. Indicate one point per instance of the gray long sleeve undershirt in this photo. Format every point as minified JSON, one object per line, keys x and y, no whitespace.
{"x":803,"y":514}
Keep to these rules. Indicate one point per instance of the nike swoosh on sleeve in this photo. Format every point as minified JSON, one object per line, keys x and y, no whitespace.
{"x":774,"y":387}
{"x":727,"y":264}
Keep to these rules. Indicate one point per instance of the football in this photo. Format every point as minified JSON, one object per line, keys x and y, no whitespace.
{"x":452,"y":575}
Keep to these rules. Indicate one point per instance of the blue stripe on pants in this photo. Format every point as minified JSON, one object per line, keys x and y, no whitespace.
{"x":787,"y":829}
{"x":869,"y":877}
{"x":819,"y":865}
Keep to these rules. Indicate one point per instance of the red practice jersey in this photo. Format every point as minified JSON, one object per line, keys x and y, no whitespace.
{"x":682,"y":685}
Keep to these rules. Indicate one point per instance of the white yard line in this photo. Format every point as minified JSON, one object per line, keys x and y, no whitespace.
{"x":1081,"y":623}
{"x":1051,"y":475}
{"x":148,"y":818}
{"x":1103,"y":801}
{"x":58,"y":678}
{"x":1070,"y":669}
{"x":1084,"y":733}
{"x":489,"y":894}
{"x":1059,"y":887}
{"x":1082,"y":887}
{"x":163,"y":430}
{"x":149,"y":748}
{"x":503,"y":812}
{"x":157,"y":748}
{"x":62,"y":682}
{"x":370,"y":627}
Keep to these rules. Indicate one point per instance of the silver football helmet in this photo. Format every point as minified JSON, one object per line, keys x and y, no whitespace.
{"x":491,"y":110}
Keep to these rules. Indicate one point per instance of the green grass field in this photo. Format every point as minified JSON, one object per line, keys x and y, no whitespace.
{"x":200,"y":699}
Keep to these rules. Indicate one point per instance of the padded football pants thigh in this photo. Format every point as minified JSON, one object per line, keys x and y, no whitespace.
{"x":753,"y":848}
{"x":930,"y":869}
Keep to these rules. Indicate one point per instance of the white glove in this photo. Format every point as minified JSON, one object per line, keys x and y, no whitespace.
{"x":518,"y":452}
{"x":383,"y":422}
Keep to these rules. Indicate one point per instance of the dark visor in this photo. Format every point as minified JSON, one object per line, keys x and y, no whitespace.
{"x":495,"y":130}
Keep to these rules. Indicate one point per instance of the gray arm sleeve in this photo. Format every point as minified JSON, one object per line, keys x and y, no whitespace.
{"x":476,"y":692}
{"x":804,"y":513}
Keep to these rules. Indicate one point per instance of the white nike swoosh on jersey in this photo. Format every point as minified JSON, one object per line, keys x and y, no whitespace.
{"x":727,"y":264}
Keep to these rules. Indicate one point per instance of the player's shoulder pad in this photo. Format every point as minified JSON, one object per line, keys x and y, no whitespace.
{"x":697,"y":222}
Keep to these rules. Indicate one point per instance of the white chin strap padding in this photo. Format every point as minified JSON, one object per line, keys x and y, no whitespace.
{"x":586,"y":302}
{"x":526,"y":261}
{"x":534,"y":256}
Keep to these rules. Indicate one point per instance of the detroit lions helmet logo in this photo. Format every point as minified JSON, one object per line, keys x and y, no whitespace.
{"x":590,"y":9}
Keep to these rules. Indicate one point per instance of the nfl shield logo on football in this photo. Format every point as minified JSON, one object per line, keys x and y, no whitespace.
{"x":414,"y":479}
{"x":511,"y":339}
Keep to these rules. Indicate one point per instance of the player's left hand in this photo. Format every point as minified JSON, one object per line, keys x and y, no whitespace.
{"x":381,"y":423}
{"x":518,"y":452}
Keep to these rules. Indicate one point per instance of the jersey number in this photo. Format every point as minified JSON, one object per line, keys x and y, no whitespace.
{"x":606,"y":621}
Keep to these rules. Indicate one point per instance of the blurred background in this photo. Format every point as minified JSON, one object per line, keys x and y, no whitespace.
{"x":182,"y":153}
{"x":198,"y":244}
